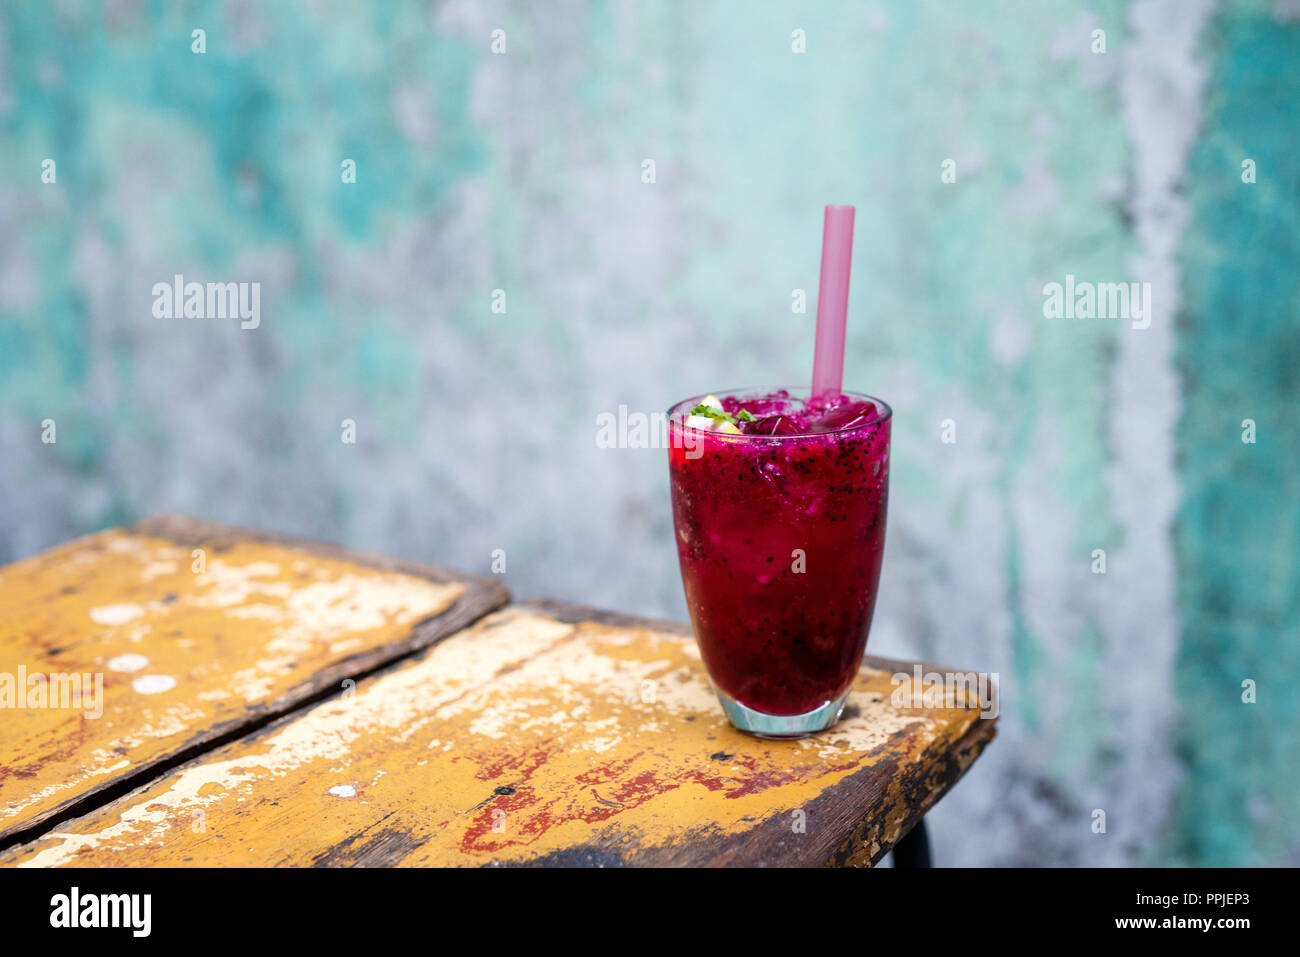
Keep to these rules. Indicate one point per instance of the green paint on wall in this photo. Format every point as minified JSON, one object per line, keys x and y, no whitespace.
{"x":1239,"y":523}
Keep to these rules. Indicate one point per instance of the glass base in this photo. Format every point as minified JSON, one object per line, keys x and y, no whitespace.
{"x":780,"y":726}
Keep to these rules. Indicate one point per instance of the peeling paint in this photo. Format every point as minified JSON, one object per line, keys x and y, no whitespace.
{"x":127,"y":662}
{"x":115,"y":614}
{"x":523,"y":723}
{"x":72,"y":608}
{"x":153,"y":684}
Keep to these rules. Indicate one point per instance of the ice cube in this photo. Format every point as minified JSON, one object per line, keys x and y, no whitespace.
{"x":847,"y":416}
{"x":771,"y":425}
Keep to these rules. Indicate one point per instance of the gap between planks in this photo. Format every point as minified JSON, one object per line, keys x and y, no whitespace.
{"x":482,"y":596}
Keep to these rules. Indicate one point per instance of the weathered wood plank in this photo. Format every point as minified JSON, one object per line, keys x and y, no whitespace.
{"x":538,"y":736}
{"x":190,"y":658}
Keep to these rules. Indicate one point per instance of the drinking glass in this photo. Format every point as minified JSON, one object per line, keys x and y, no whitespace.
{"x":780,"y":539}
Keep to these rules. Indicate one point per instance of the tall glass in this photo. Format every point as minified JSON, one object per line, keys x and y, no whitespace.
{"x":780,"y":539}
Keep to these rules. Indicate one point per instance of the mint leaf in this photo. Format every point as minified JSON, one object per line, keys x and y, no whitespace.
{"x":716,"y":413}
{"x":713,"y":413}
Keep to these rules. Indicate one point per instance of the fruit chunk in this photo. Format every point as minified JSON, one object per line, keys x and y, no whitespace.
{"x":711,"y":424}
{"x":702,"y":417}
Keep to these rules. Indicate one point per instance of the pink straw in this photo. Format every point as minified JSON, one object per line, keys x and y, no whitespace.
{"x":833,"y":300}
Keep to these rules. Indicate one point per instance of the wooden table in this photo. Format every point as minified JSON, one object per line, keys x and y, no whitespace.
{"x":273,"y":702}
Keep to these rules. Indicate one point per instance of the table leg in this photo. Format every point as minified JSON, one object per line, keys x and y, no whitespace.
{"x":914,"y":849}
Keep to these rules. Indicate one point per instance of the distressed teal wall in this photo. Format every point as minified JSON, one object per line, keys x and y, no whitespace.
{"x":523,"y":173}
{"x":1239,"y":520}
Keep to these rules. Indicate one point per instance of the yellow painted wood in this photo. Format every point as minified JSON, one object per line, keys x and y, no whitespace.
{"x":522,"y":739}
{"x":180,"y":642}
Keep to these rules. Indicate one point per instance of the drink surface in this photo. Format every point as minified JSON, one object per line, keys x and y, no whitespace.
{"x":780,"y":533}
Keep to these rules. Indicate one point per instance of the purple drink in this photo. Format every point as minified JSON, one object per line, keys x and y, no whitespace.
{"x":780,"y":532}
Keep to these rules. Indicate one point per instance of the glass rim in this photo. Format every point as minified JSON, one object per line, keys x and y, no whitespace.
{"x":885,"y":415}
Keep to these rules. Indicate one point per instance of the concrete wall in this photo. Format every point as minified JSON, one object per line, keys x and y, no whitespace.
{"x":523,"y":172}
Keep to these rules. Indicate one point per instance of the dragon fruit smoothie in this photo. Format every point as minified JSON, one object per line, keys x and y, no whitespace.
{"x":779,"y":507}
